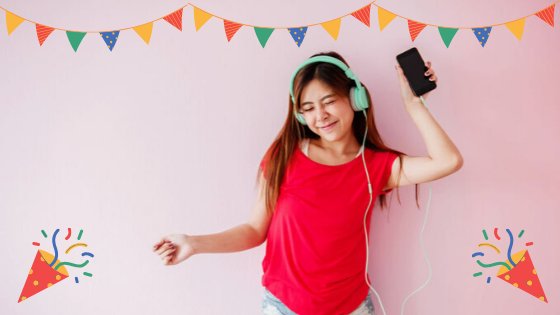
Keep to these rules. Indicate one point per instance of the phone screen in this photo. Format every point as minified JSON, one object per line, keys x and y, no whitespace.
{"x":414,"y":68}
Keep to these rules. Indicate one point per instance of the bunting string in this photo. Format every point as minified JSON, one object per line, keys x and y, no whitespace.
{"x":263,"y":33}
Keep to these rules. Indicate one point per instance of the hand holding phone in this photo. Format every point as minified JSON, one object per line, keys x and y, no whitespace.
{"x":413,"y":67}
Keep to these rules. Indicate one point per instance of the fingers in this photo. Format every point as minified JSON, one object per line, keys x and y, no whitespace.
{"x":164,"y":248}
{"x":167,"y":253}
{"x":430,"y":72}
{"x":160,"y":243}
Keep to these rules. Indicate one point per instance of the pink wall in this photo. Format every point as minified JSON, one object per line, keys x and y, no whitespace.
{"x":147,"y":140}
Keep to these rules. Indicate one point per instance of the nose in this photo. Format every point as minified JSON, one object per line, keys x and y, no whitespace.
{"x":321,"y":112}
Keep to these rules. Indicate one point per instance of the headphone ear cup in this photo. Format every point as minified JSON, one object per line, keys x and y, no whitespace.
{"x":300,"y":118}
{"x":353,"y":98}
{"x":358,"y":98}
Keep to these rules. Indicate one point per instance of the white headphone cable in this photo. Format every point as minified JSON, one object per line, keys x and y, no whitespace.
{"x":370,"y":190}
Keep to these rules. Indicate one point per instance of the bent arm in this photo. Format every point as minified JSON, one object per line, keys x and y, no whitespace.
{"x":443,"y":156}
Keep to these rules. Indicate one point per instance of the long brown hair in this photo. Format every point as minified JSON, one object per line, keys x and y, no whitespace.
{"x":280,"y":151}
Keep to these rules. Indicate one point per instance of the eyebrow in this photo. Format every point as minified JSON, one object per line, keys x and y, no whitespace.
{"x":322,"y":99}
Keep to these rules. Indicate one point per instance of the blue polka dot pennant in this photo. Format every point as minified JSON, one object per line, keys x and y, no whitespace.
{"x":110,"y":38}
{"x":298,"y":34}
{"x":482,"y":34}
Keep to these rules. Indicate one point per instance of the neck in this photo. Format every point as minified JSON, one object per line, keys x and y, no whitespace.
{"x":343,"y":147}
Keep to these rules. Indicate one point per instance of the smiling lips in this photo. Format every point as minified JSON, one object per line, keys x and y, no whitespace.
{"x":328,"y":127}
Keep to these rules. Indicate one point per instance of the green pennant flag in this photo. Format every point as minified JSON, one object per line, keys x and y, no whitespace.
{"x":447,"y":34}
{"x":75,"y":39}
{"x":263,"y":34}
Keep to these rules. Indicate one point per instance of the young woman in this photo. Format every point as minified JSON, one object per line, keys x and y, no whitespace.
{"x":314,"y":183}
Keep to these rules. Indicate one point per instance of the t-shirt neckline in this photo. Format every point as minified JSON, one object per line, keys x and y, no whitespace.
{"x":305,"y":157}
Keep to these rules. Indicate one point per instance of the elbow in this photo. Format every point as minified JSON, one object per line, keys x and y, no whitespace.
{"x":456,"y":162}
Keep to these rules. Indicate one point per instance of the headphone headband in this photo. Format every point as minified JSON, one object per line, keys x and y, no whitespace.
{"x":327,"y":59}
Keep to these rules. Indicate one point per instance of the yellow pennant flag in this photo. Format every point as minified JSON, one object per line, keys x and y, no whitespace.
{"x":516,"y":27}
{"x":385,"y":17}
{"x":145,"y":31}
{"x":332,"y":27}
{"x":12,"y":21}
{"x":200,"y":17}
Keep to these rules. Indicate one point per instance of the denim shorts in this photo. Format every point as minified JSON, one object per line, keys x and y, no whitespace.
{"x":271,"y":305}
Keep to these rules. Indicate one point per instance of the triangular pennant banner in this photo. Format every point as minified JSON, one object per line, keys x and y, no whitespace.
{"x":200,"y":18}
{"x":231,"y":28}
{"x":414,"y":28}
{"x":175,"y":19}
{"x":447,"y":34}
{"x":516,"y":27}
{"x":110,"y":38}
{"x":145,"y":31}
{"x":43,"y":32}
{"x":12,"y":21}
{"x":75,"y":39}
{"x":263,"y":34}
{"x":482,"y":33}
{"x":547,"y":15}
{"x":298,"y":34}
{"x":363,"y":14}
{"x":385,"y":17}
{"x":332,"y":27}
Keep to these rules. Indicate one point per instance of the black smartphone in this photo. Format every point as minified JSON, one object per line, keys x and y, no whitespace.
{"x":414,"y":68}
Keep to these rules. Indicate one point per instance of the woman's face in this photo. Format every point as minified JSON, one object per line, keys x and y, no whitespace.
{"x":327,"y":114}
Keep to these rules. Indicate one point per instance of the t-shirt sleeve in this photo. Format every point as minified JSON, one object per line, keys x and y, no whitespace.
{"x":388,"y":160}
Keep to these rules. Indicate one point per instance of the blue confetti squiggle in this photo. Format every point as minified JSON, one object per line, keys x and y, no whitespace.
{"x":54,"y":245}
{"x":510,"y":246}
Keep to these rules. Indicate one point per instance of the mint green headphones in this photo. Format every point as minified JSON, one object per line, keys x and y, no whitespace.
{"x":358,"y":96}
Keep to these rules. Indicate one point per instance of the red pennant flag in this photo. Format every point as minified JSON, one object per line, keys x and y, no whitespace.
{"x":363,"y":14}
{"x":43,"y":32}
{"x":547,"y":15}
{"x":231,"y":28}
{"x":414,"y":28}
{"x":176,"y":19}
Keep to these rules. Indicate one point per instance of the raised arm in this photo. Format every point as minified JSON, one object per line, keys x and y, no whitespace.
{"x":443,"y":156}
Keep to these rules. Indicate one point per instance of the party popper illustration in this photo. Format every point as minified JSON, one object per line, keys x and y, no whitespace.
{"x":516,"y":269}
{"x":49,"y":269}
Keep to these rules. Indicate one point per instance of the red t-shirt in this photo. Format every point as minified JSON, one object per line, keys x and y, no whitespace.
{"x":315,"y":252}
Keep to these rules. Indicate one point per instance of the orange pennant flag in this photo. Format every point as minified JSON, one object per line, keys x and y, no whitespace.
{"x":144,"y":31}
{"x":12,"y":21}
{"x":385,"y":17}
{"x":363,"y":15}
{"x":176,"y":19}
{"x":43,"y":32}
{"x":332,"y":27}
{"x":516,"y":27}
{"x":414,"y":28}
{"x":231,"y":28}
{"x":547,"y":15}
{"x":200,"y":18}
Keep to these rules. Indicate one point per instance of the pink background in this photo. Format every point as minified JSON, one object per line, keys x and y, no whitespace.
{"x":147,"y":140}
